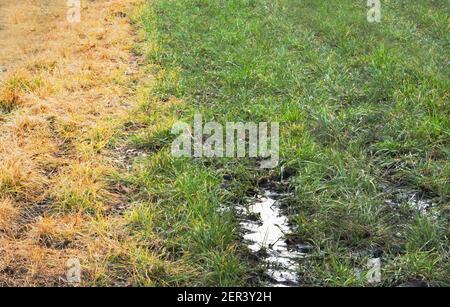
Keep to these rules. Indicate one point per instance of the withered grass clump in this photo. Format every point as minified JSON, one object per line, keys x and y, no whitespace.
{"x":8,"y":216}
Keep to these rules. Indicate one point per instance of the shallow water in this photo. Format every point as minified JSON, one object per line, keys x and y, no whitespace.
{"x":265,"y":227}
{"x":411,"y":199}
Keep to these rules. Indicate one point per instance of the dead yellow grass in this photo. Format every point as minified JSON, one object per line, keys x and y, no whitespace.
{"x":65,"y":92}
{"x":8,"y":216}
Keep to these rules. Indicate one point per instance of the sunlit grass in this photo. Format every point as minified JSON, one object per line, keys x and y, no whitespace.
{"x":362,"y":107}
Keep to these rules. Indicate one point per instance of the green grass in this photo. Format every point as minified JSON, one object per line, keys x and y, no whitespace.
{"x":363,"y":109}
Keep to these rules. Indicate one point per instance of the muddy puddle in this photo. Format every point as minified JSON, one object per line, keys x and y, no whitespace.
{"x":411,"y":199}
{"x":265,"y":229}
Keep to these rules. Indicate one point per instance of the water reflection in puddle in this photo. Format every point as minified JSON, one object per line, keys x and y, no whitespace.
{"x":265,"y":229}
{"x":411,"y":199}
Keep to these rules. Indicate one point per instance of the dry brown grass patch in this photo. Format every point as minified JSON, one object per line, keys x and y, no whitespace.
{"x":56,"y":232}
{"x":65,"y":90}
{"x":21,"y":178}
{"x":8,"y":216}
{"x":23,"y":263}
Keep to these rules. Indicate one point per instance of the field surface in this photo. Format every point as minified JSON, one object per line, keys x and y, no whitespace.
{"x":364,"y":116}
{"x":86,"y":170}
